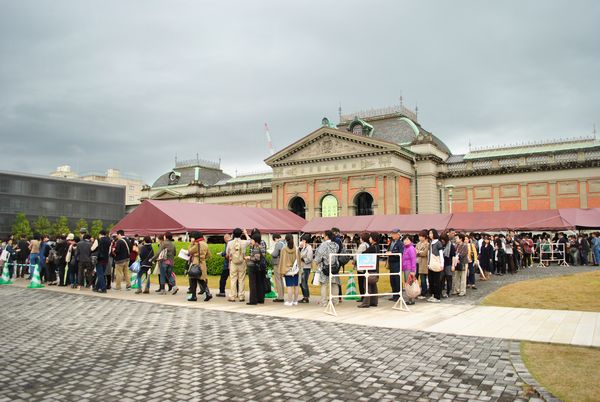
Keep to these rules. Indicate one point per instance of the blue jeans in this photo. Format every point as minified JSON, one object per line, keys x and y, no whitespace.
{"x":423,"y":278}
{"x":100,"y":277}
{"x":144,"y":271}
{"x":166,"y":275}
{"x":596,"y":255}
{"x":471,"y":274}
{"x":34,"y":259}
{"x":304,"y":284}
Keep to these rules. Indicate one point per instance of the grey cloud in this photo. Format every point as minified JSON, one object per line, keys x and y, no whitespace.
{"x":134,"y":83}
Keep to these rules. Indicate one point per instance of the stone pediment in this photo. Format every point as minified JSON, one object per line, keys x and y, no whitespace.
{"x":327,"y":144}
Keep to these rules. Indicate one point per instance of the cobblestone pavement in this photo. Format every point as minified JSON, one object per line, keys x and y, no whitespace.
{"x":61,"y":347}
{"x":484,"y":288}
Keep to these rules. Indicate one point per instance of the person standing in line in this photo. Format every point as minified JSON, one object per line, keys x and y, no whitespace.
{"x":306,"y":258}
{"x":372,"y":301}
{"x":22,"y":254}
{"x":449,"y":264}
{"x":256,"y":281}
{"x":500,"y":258}
{"x":121,"y":256}
{"x":83,"y":254}
{"x":103,"y":251}
{"x":508,"y":249}
{"x":322,"y":260}
{"x":486,"y":256}
{"x":422,"y":249}
{"x":595,"y":243}
{"x":277,"y":277}
{"x":473,"y":260}
{"x":199,"y":253}
{"x":396,"y":247}
{"x":236,"y":252}
{"x":288,"y":258}
{"x":362,"y":247}
{"x":461,"y":266}
{"x":146,"y":255}
{"x":225,"y":270}
{"x":72,"y":264}
{"x":62,"y":247}
{"x":34,"y":254}
{"x":43,"y":258}
{"x":409,"y":262}
{"x":436,"y":266}
{"x":166,"y":257}
{"x":584,"y":249}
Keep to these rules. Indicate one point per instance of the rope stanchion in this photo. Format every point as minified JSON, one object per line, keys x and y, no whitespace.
{"x":400,"y":303}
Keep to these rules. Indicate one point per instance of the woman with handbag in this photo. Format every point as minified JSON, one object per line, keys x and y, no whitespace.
{"x":436,"y":266}
{"x":409,"y":263}
{"x":485,"y":257}
{"x":306,"y":258}
{"x":199,"y":253}
{"x":166,"y":256}
{"x":372,"y":301}
{"x":289,"y":268}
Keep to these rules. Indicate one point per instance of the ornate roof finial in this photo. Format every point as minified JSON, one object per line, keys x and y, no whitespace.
{"x":340,"y":111}
{"x":594,"y":130}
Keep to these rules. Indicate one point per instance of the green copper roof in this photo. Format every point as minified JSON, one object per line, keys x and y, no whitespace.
{"x":532,"y":149}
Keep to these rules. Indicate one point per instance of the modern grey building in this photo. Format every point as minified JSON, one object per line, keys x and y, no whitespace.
{"x":52,"y":197}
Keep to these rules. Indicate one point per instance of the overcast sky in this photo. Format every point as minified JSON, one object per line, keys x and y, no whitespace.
{"x":131,"y":84}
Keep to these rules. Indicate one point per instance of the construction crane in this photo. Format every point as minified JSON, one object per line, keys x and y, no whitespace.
{"x":269,"y":142}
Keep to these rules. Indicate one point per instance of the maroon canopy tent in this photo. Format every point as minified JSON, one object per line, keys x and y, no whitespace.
{"x":534,"y":220}
{"x":408,"y":223}
{"x":347,"y":224}
{"x":581,"y":218}
{"x":155,"y":217}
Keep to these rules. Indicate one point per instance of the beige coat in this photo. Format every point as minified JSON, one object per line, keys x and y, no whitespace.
{"x":287,"y":257}
{"x":199,"y":253}
{"x":422,"y":252}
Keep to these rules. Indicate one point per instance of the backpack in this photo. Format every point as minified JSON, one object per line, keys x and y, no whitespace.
{"x":344,"y":259}
{"x":237,"y":255}
{"x":53,"y":256}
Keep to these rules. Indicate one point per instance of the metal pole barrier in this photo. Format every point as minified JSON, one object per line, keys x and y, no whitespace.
{"x":400,"y":303}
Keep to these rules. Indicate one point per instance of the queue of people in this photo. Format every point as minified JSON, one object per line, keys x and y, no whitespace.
{"x":443,"y":264}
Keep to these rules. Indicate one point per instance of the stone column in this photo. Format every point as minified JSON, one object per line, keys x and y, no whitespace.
{"x":552,"y":186}
{"x":380,"y":196}
{"x":344,"y":204}
{"x":310,"y":203}
{"x":524,"y":197}
{"x":469,"y":198}
{"x":583,"y":195}
{"x":496,"y":197}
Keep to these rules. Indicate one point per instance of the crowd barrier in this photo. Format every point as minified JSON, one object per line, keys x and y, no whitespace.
{"x":399,"y":305}
{"x":552,"y":252}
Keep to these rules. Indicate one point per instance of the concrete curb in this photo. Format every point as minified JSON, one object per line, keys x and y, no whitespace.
{"x":514,"y":348}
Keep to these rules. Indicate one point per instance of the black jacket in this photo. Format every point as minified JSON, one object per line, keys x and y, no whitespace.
{"x":146,"y":254}
{"x":84,"y":251}
{"x":103,"y":249}
{"x":373,"y":249}
{"x":395,"y":247}
{"x":122,"y":250}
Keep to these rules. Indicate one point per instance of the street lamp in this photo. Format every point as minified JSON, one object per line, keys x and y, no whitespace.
{"x":449,"y":187}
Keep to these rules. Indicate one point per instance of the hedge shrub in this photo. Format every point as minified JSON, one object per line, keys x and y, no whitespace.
{"x":214,"y":263}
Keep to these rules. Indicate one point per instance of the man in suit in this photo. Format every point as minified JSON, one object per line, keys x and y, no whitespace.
{"x":394,"y":263}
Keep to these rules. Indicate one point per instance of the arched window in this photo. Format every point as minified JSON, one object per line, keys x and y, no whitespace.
{"x":329,"y":206}
{"x":298,"y":206}
{"x":363,"y":202}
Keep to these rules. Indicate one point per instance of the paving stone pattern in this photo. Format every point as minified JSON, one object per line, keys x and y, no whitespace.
{"x":63,"y":347}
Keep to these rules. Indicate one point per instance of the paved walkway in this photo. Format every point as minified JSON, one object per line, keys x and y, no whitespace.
{"x":70,"y":347}
{"x":553,"y":326}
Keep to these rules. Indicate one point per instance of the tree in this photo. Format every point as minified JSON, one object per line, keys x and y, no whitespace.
{"x":109,"y":228}
{"x":21,"y":226}
{"x":82,"y":224}
{"x":42,"y":225}
{"x":61,"y":226}
{"x":96,"y":228}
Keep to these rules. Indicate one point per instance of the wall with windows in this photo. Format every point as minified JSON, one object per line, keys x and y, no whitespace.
{"x":54,"y":197}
